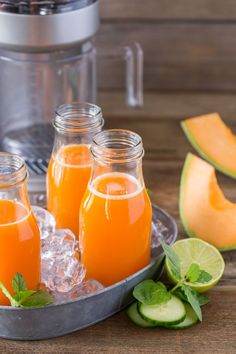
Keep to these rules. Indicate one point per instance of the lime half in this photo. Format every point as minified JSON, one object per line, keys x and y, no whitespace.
{"x":193,"y":250}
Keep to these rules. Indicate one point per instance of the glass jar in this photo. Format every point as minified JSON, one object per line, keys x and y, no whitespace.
{"x":19,"y":233}
{"x":116,"y":213}
{"x":70,"y":165}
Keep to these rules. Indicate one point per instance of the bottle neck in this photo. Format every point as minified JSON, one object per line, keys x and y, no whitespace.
{"x":76,"y":124}
{"x":117,"y":152}
{"x":13,"y":178}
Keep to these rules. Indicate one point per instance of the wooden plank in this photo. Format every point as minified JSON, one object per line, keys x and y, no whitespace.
{"x":184,"y":56}
{"x":216,"y":335}
{"x":168,"y":10}
{"x":176,"y":106}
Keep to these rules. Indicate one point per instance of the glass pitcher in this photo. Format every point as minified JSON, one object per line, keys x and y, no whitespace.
{"x":19,"y":233}
{"x":116,"y":213}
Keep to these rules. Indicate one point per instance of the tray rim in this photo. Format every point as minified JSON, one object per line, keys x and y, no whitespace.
{"x":175,"y":234}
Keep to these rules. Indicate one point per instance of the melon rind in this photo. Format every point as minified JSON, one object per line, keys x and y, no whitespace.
{"x":187,"y":229}
{"x":204,"y":154}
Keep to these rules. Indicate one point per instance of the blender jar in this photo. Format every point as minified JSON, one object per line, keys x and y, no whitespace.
{"x":48,"y":58}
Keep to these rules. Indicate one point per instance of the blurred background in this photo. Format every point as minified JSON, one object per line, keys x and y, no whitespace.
{"x":53,"y":52}
{"x":189,"y":69}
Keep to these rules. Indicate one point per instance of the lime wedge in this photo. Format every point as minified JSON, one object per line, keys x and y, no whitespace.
{"x":193,"y":250}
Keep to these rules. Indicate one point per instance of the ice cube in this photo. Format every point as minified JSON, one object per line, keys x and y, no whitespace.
{"x":65,"y":275}
{"x":158,"y":233}
{"x":45,"y":220}
{"x":59,"y":244}
{"x":60,"y":265}
{"x":84,"y":289}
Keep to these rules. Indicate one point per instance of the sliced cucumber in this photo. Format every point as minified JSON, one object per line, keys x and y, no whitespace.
{"x":168,"y":313}
{"x":134,"y":316}
{"x":190,"y":319}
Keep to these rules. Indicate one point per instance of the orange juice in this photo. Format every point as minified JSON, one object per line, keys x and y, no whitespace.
{"x":19,"y":246}
{"x":67,"y":179}
{"x":115,"y":227}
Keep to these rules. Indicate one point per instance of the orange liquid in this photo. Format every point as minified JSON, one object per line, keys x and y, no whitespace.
{"x":115,"y":228}
{"x":19,"y":246}
{"x":67,"y":179}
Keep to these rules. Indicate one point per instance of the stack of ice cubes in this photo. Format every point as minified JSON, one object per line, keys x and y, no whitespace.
{"x":62,"y":272}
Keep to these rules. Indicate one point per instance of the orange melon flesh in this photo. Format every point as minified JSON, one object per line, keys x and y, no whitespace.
{"x":204,"y":210}
{"x":213,"y":140}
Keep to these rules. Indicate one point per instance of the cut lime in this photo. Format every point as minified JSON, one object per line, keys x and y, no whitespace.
{"x":193,"y":250}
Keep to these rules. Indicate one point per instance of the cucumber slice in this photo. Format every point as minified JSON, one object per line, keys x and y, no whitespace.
{"x":134,"y":316}
{"x":168,"y":313}
{"x":190,"y":319}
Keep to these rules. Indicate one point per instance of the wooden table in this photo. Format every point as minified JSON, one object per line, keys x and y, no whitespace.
{"x":166,"y":146}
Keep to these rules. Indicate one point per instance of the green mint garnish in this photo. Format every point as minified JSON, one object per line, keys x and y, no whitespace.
{"x":23,"y":297}
{"x":149,"y":292}
{"x":196,"y":275}
{"x":204,"y":277}
{"x":202,"y":299}
{"x":192,"y":299}
{"x":18,"y":283}
{"x":193,"y":273}
{"x":173,"y":260}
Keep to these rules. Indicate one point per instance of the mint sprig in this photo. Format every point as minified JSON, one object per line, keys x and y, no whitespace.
{"x":173,"y":260}
{"x":23,"y":297}
{"x":193,"y":275}
{"x":192,"y":299}
{"x":202,"y":299}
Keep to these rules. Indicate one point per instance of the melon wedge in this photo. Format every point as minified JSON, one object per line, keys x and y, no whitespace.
{"x":213,"y":140}
{"x":204,"y":210}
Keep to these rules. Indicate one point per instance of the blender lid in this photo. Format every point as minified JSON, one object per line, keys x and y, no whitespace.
{"x":45,"y":24}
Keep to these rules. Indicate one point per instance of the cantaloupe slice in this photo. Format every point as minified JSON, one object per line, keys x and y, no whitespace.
{"x":204,"y":210}
{"x":213,"y":140}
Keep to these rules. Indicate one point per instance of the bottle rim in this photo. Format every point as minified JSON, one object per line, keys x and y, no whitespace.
{"x":78,"y":118}
{"x":117,"y":145}
{"x":12,"y":170}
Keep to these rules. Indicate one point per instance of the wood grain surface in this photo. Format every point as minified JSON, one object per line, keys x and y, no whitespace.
{"x":166,"y":147}
{"x":177,"y":56}
{"x":188,"y":44}
{"x":168,"y":10}
{"x":118,"y":335}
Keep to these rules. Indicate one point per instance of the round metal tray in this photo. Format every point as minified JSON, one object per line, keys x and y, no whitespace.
{"x":59,"y":319}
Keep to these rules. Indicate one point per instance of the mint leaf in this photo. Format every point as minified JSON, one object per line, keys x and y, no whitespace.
{"x":192,"y":298}
{"x":149,"y":292}
{"x":173,"y":260}
{"x":204,"y":277}
{"x":22,"y":295}
{"x":18,"y":283}
{"x":202,"y":299}
{"x":8,"y":295}
{"x":37,"y":299}
{"x":193,"y":273}
{"x":149,"y":192}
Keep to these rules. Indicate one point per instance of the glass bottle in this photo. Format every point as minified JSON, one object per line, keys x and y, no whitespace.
{"x":70,"y":164}
{"x":19,"y":233}
{"x":116,"y":213}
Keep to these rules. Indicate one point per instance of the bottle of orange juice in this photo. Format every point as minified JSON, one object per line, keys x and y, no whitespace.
{"x":116,"y":213}
{"x":19,"y":233}
{"x":70,"y":165}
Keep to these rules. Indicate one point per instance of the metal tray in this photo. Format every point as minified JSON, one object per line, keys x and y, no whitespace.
{"x":59,"y":319}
